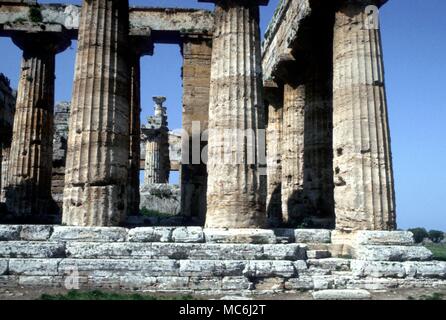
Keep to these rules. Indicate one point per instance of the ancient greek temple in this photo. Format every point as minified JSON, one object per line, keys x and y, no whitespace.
{"x":284,"y":156}
{"x":306,"y":107}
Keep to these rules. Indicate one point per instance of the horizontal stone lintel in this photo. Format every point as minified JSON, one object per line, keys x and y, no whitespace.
{"x":164,"y":24}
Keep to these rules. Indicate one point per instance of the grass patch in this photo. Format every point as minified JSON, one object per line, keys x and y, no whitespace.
{"x":439,"y":251}
{"x":100,"y":295}
{"x":434,"y":296}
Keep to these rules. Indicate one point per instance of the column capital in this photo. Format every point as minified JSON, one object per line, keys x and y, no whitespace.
{"x":241,"y":2}
{"x":287,"y":69}
{"x":273,"y":92}
{"x":55,"y":40}
{"x":142,"y":45}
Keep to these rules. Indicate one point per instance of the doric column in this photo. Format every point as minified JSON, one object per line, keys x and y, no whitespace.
{"x":157,"y":163}
{"x":5,"y":172}
{"x":1,"y":172}
{"x":61,"y":115}
{"x":28,"y":194}
{"x":293,"y":152}
{"x":236,"y":113}
{"x":274,"y":100}
{"x":7,"y":109}
{"x":197,"y":52}
{"x":98,"y":144}
{"x":364,"y":192}
{"x":153,"y":172}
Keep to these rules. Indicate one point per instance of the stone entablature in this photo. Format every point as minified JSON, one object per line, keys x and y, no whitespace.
{"x":282,"y":33}
{"x":143,"y":20}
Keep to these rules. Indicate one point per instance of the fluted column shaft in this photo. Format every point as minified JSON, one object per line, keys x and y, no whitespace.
{"x":98,"y":144}
{"x":293,"y":151}
{"x":28,"y":192}
{"x":1,"y":171}
{"x":5,"y":172}
{"x":364,"y":193}
{"x":133,"y":197}
{"x":274,"y":97}
{"x":235,"y":112}
{"x":154,"y":170}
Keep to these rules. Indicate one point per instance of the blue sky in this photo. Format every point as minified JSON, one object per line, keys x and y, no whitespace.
{"x":414,"y":41}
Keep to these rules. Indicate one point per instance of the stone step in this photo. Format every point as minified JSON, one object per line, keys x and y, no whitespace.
{"x":151,"y":268}
{"x":386,"y":238}
{"x":162,"y":234}
{"x":192,"y":251}
{"x":318,"y":254}
{"x":411,"y":269}
{"x":312,"y":236}
{"x":331,"y":264}
{"x":28,"y":249}
{"x":131,"y":281}
{"x":341,"y":295}
{"x":156,"y":251}
{"x":392,"y":253}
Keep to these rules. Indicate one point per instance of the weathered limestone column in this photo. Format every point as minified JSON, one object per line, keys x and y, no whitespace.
{"x":274,"y":99}
{"x":5,"y":173}
{"x":236,"y":111}
{"x":157,"y":163}
{"x":28,"y":194}
{"x":98,"y":144}
{"x":1,"y":171}
{"x":61,"y":115}
{"x":293,"y":151}
{"x":197,"y":53}
{"x":153,"y":171}
{"x":7,"y":109}
{"x":364,"y":191}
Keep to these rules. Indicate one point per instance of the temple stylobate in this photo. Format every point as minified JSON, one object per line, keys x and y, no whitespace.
{"x":292,"y":131}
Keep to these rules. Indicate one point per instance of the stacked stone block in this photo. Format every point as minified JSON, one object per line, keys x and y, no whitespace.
{"x":212,"y":261}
